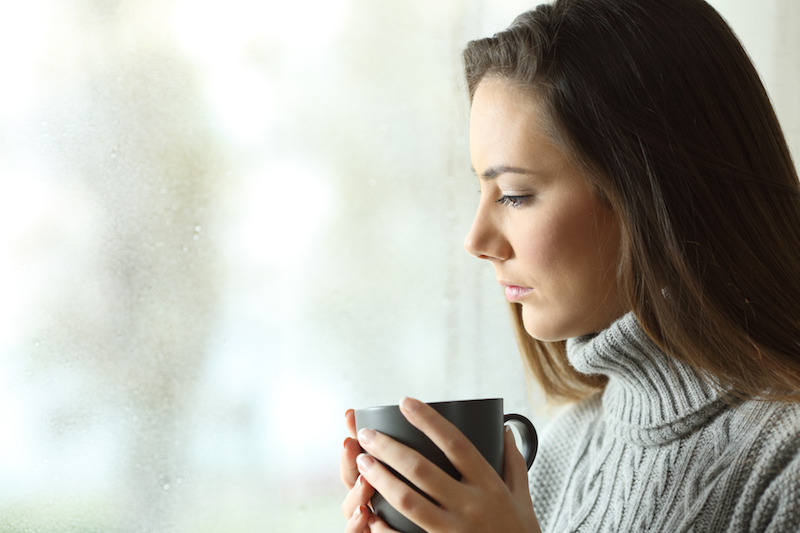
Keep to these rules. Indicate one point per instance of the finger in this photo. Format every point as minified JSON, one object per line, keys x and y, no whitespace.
{"x":448,"y":438}
{"x":350,"y":422}
{"x":515,"y":469}
{"x":410,"y":464}
{"x":357,"y":497}
{"x":358,"y":521}
{"x":399,"y":494}
{"x":348,"y":472}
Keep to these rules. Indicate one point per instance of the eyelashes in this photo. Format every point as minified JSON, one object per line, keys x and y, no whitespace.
{"x":514,"y":201}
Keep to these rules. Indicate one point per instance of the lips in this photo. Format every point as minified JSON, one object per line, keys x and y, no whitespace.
{"x":515,"y":292}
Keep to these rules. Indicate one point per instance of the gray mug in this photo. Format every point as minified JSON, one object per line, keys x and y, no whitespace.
{"x":481,"y":421}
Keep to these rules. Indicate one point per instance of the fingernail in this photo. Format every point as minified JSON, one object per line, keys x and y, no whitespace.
{"x":365,"y":436}
{"x":356,"y":513}
{"x":359,"y":481}
{"x":409,"y":404}
{"x":365,"y":462}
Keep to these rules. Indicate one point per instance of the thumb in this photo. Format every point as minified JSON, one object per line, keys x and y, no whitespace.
{"x":515,"y":469}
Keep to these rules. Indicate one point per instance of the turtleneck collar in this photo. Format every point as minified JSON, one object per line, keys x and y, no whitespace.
{"x":650,"y":398}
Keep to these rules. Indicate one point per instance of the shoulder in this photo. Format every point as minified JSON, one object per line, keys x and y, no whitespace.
{"x":770,"y":495}
{"x":774,"y":429}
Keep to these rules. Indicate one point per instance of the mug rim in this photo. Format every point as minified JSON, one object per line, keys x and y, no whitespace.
{"x":432,"y":404}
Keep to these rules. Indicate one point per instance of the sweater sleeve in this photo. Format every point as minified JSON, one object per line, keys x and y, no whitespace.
{"x":778,"y":508}
{"x":770,"y":501}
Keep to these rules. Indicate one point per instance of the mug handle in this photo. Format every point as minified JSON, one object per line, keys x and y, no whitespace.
{"x":530,"y":440}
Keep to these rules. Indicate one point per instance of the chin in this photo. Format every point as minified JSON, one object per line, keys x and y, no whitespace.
{"x":544,"y":330}
{"x":547,"y":327}
{"x":545,"y":336}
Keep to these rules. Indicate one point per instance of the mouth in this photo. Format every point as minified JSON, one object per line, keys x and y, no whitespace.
{"x":515,"y":292}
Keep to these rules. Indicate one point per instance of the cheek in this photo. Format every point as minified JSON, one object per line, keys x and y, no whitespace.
{"x":562,"y":242}
{"x":575,"y":248}
{"x":539,"y":244}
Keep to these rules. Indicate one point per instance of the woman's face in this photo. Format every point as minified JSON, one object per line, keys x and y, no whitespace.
{"x":553,"y":244}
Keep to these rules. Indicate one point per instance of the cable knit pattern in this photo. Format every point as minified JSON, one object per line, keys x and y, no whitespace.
{"x":659,"y":450}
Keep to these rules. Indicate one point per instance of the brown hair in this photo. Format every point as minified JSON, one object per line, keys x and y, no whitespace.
{"x":661,"y":104}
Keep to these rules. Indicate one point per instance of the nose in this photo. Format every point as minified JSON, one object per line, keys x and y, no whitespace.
{"x":485,"y":240}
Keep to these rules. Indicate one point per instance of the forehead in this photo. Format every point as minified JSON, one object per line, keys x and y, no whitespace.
{"x":507,"y":120}
{"x":499,"y":99}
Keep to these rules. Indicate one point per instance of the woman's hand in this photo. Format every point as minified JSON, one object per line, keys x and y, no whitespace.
{"x":355,"y":509}
{"x":480,"y":501}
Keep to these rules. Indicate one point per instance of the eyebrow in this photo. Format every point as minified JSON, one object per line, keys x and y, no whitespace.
{"x":493,"y":172}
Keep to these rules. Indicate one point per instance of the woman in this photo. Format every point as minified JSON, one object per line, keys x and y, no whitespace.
{"x":641,"y":208}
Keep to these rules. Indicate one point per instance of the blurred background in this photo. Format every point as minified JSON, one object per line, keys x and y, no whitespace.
{"x":223,"y":223}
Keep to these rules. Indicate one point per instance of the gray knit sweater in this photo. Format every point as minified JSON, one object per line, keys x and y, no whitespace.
{"x":659,"y":450}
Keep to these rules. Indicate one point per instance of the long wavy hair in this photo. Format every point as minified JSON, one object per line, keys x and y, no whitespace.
{"x":660,"y":103}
